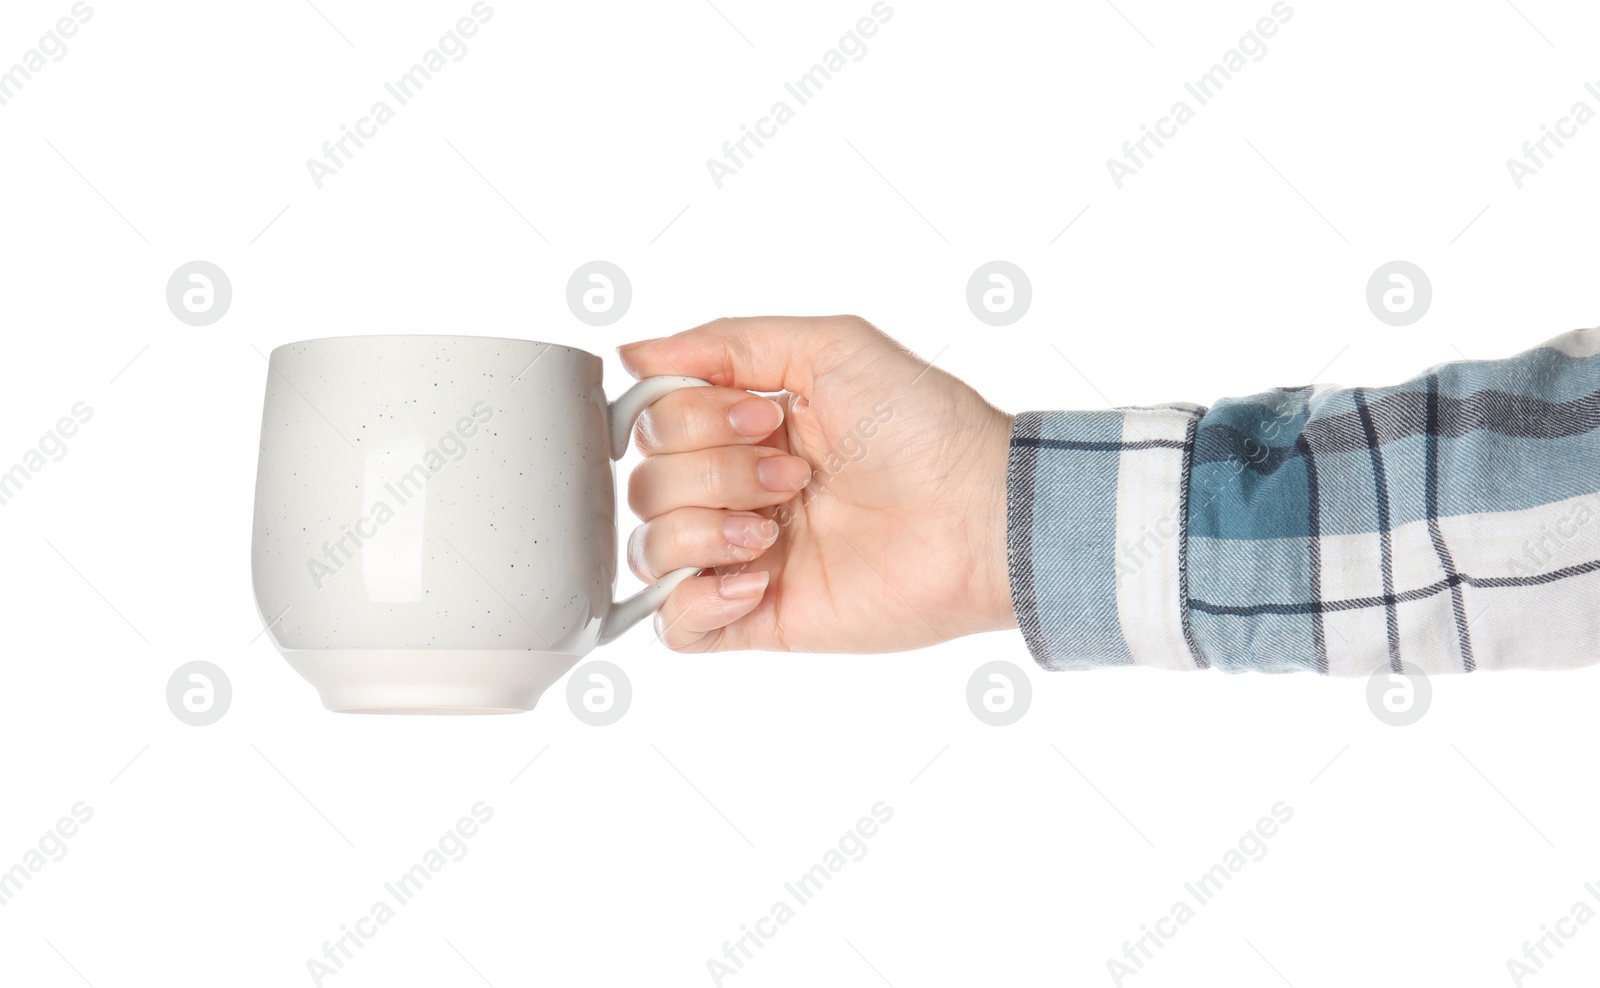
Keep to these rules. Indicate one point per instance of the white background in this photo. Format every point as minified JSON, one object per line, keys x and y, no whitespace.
{"x":629,"y":854}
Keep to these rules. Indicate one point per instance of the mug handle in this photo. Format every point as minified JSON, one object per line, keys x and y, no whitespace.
{"x":620,"y":418}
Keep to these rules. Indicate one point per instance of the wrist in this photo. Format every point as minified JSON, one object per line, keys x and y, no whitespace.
{"x":991,"y":583}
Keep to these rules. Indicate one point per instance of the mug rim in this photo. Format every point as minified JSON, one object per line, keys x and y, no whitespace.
{"x":433,"y":336}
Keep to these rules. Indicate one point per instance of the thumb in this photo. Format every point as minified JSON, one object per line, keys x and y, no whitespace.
{"x":759,"y":353}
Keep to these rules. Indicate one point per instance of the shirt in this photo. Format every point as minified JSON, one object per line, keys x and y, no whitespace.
{"x":1447,"y":524}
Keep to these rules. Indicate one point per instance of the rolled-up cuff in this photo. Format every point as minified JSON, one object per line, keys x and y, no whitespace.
{"x":1096,"y":528}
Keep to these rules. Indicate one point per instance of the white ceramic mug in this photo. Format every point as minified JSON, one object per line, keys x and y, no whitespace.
{"x":435,"y":518}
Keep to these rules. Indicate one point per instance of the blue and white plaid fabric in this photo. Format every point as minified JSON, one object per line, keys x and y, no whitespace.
{"x":1449,"y":524}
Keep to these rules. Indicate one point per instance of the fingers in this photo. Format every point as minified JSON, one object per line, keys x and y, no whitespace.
{"x":698,"y":537}
{"x":762,"y":353}
{"x":697,"y":418}
{"x":696,"y":613}
{"x":736,"y":477}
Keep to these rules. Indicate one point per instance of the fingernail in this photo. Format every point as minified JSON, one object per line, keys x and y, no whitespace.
{"x":783,"y":473}
{"x":625,"y":353}
{"x":755,"y":418}
{"x":743,"y":586}
{"x":750,"y":531}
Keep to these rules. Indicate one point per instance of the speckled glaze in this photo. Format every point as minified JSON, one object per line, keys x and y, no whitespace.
{"x":435,"y":518}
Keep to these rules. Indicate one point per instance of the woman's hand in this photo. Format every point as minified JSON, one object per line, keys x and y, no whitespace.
{"x":862,"y":509}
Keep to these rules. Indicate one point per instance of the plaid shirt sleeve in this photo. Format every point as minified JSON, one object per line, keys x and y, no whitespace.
{"x":1448,"y":524}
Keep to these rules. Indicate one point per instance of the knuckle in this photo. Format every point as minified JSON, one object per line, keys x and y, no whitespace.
{"x":645,"y":439}
{"x":681,"y":536}
{"x":637,"y":484}
{"x":675,"y":637}
{"x":638,"y":553}
{"x":689,"y":642}
{"x":852,"y":325}
{"x":712,"y":474}
{"x":689,"y":421}
{"x":652,"y":433}
{"x":674,"y":422}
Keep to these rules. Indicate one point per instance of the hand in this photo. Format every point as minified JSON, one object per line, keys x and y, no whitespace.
{"x":860,"y":510}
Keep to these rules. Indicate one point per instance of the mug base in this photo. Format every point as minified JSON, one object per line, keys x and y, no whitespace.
{"x":429,"y":680}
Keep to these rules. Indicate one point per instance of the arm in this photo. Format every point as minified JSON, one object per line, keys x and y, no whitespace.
{"x":1447,"y":524}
